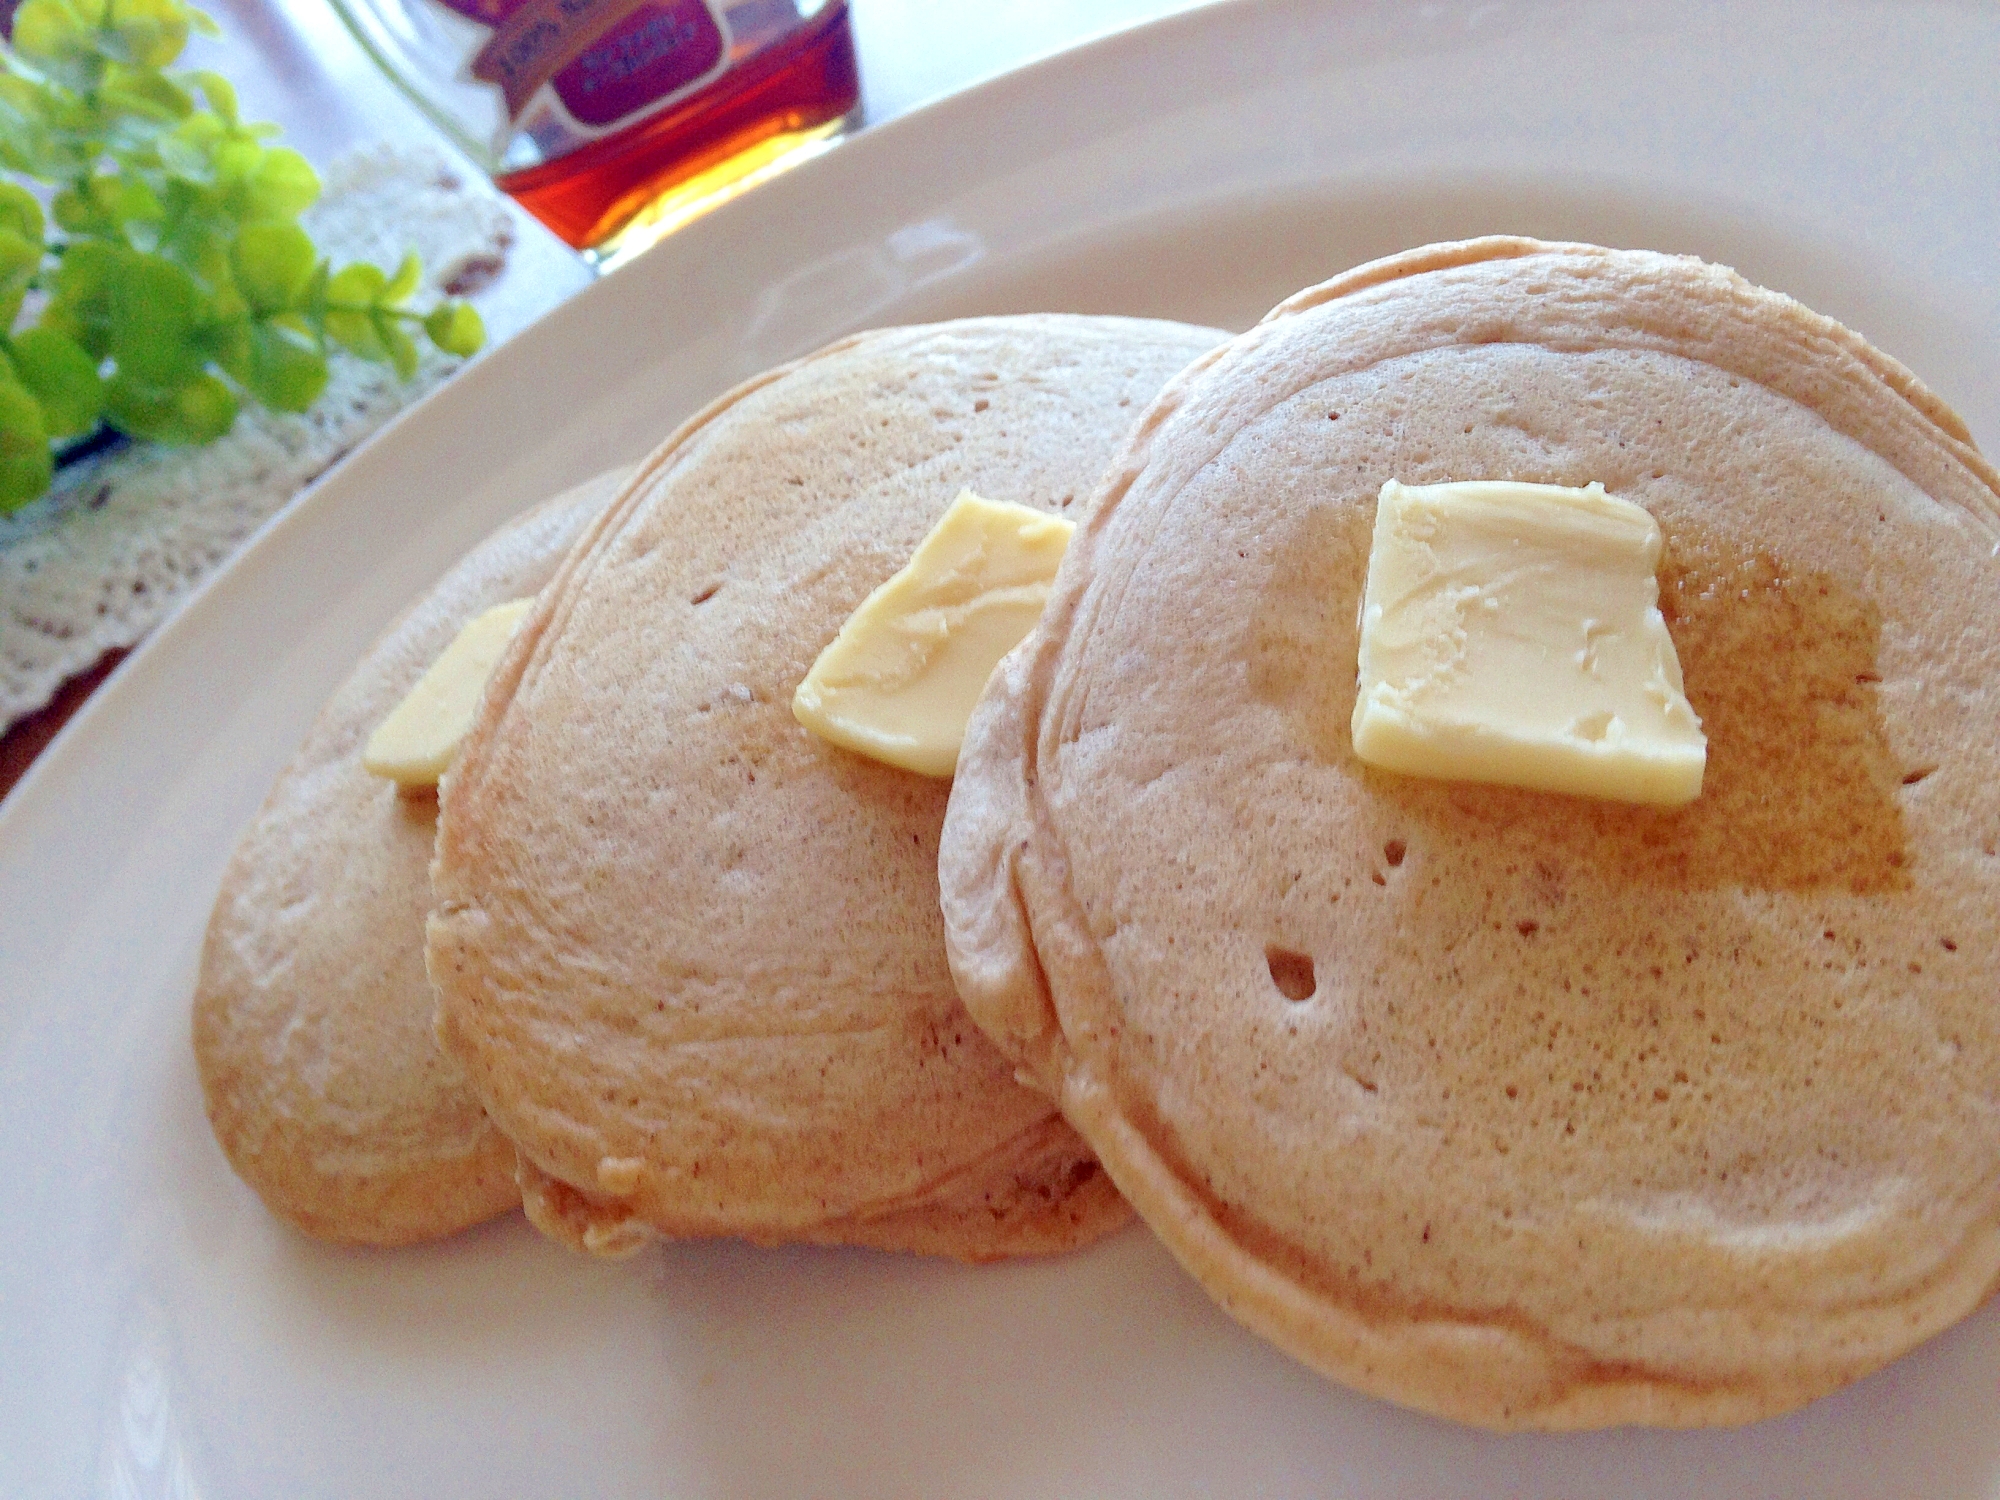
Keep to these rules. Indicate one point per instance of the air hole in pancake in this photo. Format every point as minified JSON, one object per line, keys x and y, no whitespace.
{"x":1292,"y":973}
{"x":706,"y":594}
{"x":1911,"y":778}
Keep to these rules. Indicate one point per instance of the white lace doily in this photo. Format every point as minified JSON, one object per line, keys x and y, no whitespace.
{"x":101,"y":559}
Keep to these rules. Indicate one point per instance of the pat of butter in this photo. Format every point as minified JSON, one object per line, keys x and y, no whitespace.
{"x":418,"y":739}
{"x":1511,"y":633}
{"x":900,"y":680}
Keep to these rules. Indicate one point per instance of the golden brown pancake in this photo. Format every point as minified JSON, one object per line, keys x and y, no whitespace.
{"x":1524,"y":1109}
{"x":312,"y":1016}
{"x":689,"y":954}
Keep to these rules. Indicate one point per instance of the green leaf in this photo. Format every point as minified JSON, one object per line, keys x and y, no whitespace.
{"x":122,"y":201}
{"x":148,"y":33}
{"x":62,"y":378}
{"x":223,"y":336}
{"x":220,"y":93}
{"x":402,"y":348}
{"x":46,"y":30}
{"x":281,"y":186}
{"x":208,"y":407}
{"x":286,"y":370}
{"x":406,"y":280}
{"x":274,"y":265}
{"x":20,"y":259}
{"x":156,"y":310}
{"x":235,"y":157}
{"x":201,"y":247}
{"x":355,"y":332}
{"x":21,"y":213}
{"x":25,"y":464}
{"x":18,"y":252}
{"x":312,"y":306}
{"x":198,"y":412}
{"x":455,"y":328}
{"x":144,"y":92}
{"x":58,"y":37}
{"x":81,"y":303}
{"x":177,"y":280}
{"x":188,"y":151}
{"x":357,"y":286}
{"x":351,"y":297}
{"x":72,"y":211}
{"x":25,"y":145}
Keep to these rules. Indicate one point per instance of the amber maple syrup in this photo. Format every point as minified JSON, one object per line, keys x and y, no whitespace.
{"x":614,"y":121}
{"x":781,"y":101}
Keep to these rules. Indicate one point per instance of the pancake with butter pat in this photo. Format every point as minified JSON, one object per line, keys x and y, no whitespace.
{"x":1527,"y":1109}
{"x":312,"y":1016}
{"x":689,"y":953}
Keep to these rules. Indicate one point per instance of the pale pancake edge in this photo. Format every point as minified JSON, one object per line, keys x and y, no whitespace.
{"x":312,"y":1014}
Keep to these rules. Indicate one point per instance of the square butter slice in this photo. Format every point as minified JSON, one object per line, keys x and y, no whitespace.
{"x":900,"y":680}
{"x":1511,"y":633}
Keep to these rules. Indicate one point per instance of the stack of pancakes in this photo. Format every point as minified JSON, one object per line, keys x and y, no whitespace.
{"x":1521,"y":1108}
{"x":689,"y":960}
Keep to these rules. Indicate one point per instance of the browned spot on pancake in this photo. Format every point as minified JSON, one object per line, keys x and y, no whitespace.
{"x":1801,"y":787}
{"x":1800,"y":791}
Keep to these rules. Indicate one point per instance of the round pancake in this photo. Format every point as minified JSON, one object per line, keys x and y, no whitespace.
{"x":312,"y":1016}
{"x":1528,"y":1110}
{"x":690,"y":954}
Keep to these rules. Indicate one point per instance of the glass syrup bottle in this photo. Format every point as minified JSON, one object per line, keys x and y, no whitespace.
{"x":614,"y":121}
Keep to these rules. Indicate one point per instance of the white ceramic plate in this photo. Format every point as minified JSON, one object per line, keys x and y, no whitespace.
{"x":159,"y":1335}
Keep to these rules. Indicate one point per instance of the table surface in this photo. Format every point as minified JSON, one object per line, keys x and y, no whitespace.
{"x":295,"y":63}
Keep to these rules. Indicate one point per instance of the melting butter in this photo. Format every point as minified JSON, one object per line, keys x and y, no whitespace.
{"x":414,"y":744}
{"x":1511,"y":633}
{"x":899,"y":681}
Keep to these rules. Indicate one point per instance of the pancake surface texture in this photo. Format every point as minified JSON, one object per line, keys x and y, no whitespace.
{"x":690,"y":954}
{"x":312,"y":1016}
{"x":1523,"y":1109}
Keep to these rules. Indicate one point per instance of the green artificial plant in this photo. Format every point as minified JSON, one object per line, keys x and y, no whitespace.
{"x":168,"y":278}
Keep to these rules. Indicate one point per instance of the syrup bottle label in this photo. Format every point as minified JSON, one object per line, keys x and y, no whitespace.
{"x":606,"y":61}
